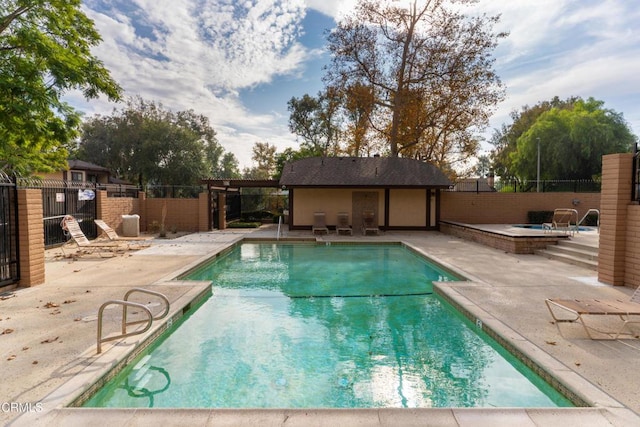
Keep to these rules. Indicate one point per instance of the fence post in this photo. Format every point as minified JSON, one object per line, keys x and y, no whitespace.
{"x":31,"y":236}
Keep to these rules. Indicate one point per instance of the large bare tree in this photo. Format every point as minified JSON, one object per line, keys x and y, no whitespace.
{"x":429,"y":70}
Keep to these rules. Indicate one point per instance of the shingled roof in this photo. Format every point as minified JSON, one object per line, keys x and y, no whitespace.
{"x":362,"y":172}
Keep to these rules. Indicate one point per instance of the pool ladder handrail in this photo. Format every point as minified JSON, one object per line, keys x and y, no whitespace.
{"x":125,"y":303}
{"x":590,"y":211}
{"x":279,"y":224}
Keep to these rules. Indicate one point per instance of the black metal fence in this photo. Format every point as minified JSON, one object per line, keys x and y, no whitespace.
{"x":174,"y":191}
{"x":514,"y":186}
{"x":9,"y":264}
{"x":119,"y":190}
{"x":255,"y":207}
{"x":60,"y":198}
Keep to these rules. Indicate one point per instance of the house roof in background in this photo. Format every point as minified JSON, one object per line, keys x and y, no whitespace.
{"x":81,"y":165}
{"x":362,"y":172}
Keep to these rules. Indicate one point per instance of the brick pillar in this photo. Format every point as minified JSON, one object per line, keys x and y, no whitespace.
{"x":222,"y":211}
{"x":101,"y":197}
{"x":31,"y":237}
{"x":142,"y":210}
{"x":203,"y":212}
{"x":615,"y":197}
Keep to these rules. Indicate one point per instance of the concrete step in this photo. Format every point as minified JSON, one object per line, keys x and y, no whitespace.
{"x":573,"y":244}
{"x":579,"y":251}
{"x":569,"y":259}
{"x":572,"y":253}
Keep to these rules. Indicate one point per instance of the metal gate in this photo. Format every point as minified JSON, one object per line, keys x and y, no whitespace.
{"x":9,"y":264}
{"x":60,"y":198}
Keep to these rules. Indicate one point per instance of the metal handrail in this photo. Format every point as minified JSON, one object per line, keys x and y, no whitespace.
{"x":144,"y":291}
{"x":279,"y":224}
{"x":126,"y":303}
{"x":124,"y":334}
{"x":597,"y":212}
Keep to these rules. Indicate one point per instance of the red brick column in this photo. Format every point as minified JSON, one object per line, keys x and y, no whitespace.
{"x":31,"y":237}
{"x":614,"y":201}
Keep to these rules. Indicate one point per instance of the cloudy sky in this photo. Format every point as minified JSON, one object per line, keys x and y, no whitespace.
{"x":239,"y":62}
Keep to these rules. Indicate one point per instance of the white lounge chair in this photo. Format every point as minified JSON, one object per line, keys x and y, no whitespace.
{"x":579,"y":309}
{"x":115,"y":237}
{"x":70,"y":224}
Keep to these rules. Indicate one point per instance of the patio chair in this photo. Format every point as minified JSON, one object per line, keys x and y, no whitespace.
{"x":113,"y":236}
{"x":579,"y":309}
{"x":319,"y":223}
{"x":70,"y":224}
{"x":343,"y":226}
{"x":368,"y":223}
{"x":564,"y":220}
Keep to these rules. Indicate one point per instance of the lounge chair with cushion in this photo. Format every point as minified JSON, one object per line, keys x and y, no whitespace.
{"x":343,"y":226}
{"x":71,"y":225}
{"x":369,"y":223}
{"x":319,"y":223}
{"x":579,"y":309}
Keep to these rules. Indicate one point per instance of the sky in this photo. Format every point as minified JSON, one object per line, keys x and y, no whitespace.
{"x":239,"y":62}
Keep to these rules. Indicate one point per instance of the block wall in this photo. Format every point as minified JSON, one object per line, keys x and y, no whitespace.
{"x":111,"y":209}
{"x":31,"y":237}
{"x":181,"y":214}
{"x":509,"y":208}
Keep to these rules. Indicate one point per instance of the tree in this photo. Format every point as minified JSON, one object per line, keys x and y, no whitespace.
{"x":428,"y":69}
{"x":572,"y":141}
{"x":505,"y":140}
{"x":45,"y":51}
{"x":147,"y":144}
{"x":264,"y":155}
{"x":314,"y":120}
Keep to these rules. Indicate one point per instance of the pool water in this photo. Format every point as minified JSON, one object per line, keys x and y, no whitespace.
{"x":540,"y":227}
{"x":341,"y":326}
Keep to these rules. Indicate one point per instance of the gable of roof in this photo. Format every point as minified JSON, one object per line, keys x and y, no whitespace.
{"x":362,"y":172}
{"x":81,"y":165}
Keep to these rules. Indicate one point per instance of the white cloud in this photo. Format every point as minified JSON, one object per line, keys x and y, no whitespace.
{"x":201,"y":55}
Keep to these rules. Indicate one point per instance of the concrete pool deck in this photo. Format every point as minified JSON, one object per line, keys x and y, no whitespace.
{"x":48,"y":335}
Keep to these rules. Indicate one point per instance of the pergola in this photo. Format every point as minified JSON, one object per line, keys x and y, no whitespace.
{"x":220,"y":187}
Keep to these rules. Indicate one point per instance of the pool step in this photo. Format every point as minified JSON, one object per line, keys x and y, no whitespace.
{"x":572,"y":253}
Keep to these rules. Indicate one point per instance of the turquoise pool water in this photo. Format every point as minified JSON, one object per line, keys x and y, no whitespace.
{"x":302,"y":326}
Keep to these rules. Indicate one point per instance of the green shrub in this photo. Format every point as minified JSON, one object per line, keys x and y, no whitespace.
{"x":242,"y":224}
{"x":539,"y":217}
{"x":256,"y":216}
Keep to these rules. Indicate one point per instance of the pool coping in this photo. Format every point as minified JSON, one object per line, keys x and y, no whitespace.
{"x":604,"y":411}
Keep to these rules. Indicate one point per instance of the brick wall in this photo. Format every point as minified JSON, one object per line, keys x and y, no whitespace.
{"x":111,"y":209}
{"x":31,"y":237}
{"x":181,"y":214}
{"x":509,"y":208}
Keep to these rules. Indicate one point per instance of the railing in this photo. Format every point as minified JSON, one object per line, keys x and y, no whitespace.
{"x":125,"y":303}
{"x":120,"y":190}
{"x":481,"y":185}
{"x":279,"y":225}
{"x":589,"y":212}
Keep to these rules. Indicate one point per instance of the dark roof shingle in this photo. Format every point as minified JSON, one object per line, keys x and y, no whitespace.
{"x":362,"y":172}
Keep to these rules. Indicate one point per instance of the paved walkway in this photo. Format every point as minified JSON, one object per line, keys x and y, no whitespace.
{"x":48,"y":332}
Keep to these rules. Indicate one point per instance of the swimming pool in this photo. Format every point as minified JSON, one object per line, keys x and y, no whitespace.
{"x":539,"y":227}
{"x":341,"y":326}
